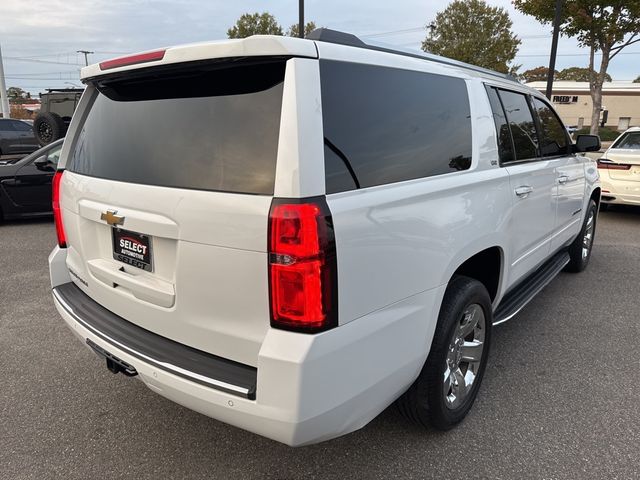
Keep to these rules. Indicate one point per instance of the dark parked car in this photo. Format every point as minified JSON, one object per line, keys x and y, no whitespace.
{"x":16,"y":137}
{"x":25,"y":184}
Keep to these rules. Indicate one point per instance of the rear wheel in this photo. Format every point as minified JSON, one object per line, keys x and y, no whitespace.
{"x":450,"y":379}
{"x":48,"y":127}
{"x":580,"y":249}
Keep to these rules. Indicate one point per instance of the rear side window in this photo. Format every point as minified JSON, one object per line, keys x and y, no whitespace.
{"x":553,"y":136}
{"x":21,"y":126}
{"x":523,"y":128}
{"x":384,"y":125}
{"x":6,"y":126}
{"x":211,"y":127}
{"x":629,"y":141}
{"x":54,"y":155}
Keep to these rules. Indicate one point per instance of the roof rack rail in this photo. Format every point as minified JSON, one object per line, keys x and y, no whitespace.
{"x":343,"y":38}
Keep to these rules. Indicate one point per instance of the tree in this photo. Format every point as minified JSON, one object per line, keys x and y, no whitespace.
{"x":602,"y":26}
{"x":471,"y":31}
{"x":16,"y":94}
{"x":577,"y":74}
{"x":308,"y":28}
{"x":538,"y":74}
{"x":255,"y":24}
{"x":637,"y":80}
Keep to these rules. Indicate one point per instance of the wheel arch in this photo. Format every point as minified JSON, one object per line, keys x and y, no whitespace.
{"x":595,"y":195}
{"x":486,"y":266}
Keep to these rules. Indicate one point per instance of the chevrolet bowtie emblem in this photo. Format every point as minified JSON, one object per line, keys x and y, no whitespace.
{"x":111,"y":218}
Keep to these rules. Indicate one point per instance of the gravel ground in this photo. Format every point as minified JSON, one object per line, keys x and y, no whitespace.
{"x":560,"y":397}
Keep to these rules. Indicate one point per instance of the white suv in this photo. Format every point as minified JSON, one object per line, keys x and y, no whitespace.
{"x":289,"y":235}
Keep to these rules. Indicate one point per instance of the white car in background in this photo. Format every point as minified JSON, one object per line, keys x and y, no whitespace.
{"x":620,"y":170}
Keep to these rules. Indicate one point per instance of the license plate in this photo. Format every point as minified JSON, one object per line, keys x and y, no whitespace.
{"x":132,"y":248}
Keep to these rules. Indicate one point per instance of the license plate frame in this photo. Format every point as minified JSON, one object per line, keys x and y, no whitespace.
{"x":132,"y":248}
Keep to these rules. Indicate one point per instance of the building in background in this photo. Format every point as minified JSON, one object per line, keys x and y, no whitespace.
{"x":572,"y":101}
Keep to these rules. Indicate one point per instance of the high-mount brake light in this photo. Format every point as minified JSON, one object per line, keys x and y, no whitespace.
{"x":57,"y":211}
{"x":133,"y":60}
{"x":302,"y":265}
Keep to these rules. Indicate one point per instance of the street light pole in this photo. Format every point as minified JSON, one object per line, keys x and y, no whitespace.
{"x":4,"y":101}
{"x":301,"y":18}
{"x":554,"y":48}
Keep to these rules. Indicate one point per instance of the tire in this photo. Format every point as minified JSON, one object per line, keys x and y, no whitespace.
{"x":48,"y":127}
{"x":432,"y":399}
{"x":580,"y":249}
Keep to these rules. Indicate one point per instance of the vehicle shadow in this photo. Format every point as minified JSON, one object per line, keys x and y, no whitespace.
{"x":620,"y":210}
{"x":27,"y":221}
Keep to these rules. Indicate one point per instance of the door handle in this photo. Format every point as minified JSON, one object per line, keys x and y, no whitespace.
{"x":562,"y":179}
{"x":524,"y":191}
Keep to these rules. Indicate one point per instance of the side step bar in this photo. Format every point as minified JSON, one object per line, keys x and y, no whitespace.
{"x":523,"y":293}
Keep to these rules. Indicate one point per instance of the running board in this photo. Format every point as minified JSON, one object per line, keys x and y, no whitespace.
{"x":524,"y":292}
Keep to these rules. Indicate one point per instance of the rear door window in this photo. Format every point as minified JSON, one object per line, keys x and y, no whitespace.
{"x":213,"y":126}
{"x":385,"y":125}
{"x":521,"y":124}
{"x":505,"y":146}
{"x":553,"y":135}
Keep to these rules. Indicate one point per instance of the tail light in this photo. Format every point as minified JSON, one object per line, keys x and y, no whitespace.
{"x":57,"y":212}
{"x":302,"y":265}
{"x":605,"y":164}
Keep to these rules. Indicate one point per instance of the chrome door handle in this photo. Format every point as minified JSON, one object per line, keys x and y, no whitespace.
{"x":524,"y":191}
{"x":562,"y":179}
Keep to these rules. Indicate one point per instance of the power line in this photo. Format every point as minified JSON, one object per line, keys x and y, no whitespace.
{"x":38,"y":79}
{"x":395,"y":32}
{"x":570,"y":54}
{"x":423,"y":28}
{"x":33,"y":60}
{"x":43,"y":73}
{"x":46,"y":55}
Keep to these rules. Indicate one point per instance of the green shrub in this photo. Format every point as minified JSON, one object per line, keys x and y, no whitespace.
{"x":607,"y":134}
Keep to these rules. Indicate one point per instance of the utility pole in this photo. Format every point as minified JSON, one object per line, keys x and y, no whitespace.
{"x":86,"y":52}
{"x":6,"y":111}
{"x":554,"y":48}
{"x":301,"y":18}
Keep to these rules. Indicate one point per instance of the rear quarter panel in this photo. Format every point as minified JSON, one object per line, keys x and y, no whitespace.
{"x":398,"y":240}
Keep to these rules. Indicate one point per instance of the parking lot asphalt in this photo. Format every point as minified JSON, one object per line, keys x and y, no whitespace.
{"x":560,"y":399}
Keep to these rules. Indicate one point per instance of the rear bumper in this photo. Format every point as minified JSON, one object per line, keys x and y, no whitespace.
{"x":620,"y":191}
{"x":309,"y":388}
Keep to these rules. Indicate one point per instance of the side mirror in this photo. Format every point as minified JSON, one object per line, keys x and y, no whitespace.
{"x":587,"y":143}
{"x":42,"y":163}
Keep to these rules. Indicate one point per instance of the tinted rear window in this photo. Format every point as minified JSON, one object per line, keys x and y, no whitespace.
{"x":211,"y":127}
{"x":387,"y":125}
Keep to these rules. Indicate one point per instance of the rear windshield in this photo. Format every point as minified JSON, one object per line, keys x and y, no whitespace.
{"x":211,"y":127}
{"x":630,"y":141}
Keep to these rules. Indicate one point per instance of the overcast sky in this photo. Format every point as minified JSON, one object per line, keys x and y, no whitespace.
{"x":39,"y":38}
